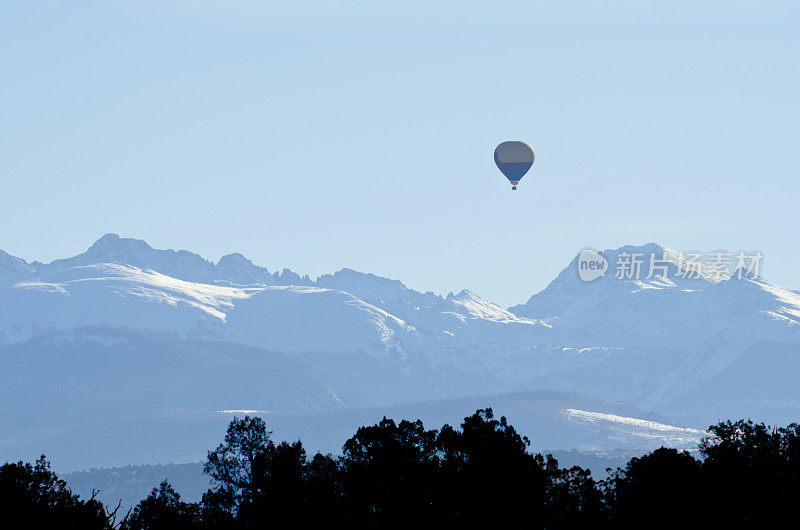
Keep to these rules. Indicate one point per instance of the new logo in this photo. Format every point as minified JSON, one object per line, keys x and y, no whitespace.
{"x":591,"y":265}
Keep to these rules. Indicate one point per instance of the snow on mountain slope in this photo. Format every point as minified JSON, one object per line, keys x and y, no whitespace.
{"x":344,"y":312}
{"x":427,"y":311}
{"x":623,"y":429}
{"x":647,"y":341}
{"x":114,"y":294}
{"x":112,"y":249}
{"x":551,"y":420}
{"x":298,"y":319}
{"x":707,"y":326}
{"x":105,"y":437}
{"x":13,"y":269}
{"x":568,"y":291}
{"x":462,"y":328}
{"x":480,"y":308}
{"x":371,"y":288}
{"x":289,"y":319}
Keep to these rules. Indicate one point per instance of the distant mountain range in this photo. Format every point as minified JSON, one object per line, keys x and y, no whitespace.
{"x":127,"y":331}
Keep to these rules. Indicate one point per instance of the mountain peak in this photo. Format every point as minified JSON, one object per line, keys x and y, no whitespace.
{"x":13,"y":269}
{"x":628,"y":269}
{"x":465,"y":294}
{"x":367,"y":286}
{"x":237,"y":268}
{"x":114,"y":246}
{"x":108,"y":239}
{"x":234,"y":258}
{"x":477,"y":307}
{"x":111,"y":248}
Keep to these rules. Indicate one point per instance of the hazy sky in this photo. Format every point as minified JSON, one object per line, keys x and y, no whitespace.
{"x":317,"y":135}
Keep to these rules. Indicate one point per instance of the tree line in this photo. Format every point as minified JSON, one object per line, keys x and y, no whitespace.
{"x":401,"y":475}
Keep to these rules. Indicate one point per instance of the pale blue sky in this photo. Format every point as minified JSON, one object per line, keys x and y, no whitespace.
{"x":317,"y":135}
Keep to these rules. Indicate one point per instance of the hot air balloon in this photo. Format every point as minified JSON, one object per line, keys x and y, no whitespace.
{"x":514,"y":159}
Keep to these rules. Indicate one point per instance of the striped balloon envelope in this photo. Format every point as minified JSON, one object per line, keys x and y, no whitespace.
{"x":514,"y":159}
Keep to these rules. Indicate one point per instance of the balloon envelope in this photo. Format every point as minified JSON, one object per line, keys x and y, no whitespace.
{"x":514,"y":159}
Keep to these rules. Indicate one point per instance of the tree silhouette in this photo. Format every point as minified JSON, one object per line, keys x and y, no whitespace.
{"x":663,"y":489}
{"x":236,"y":462}
{"x":163,"y":510}
{"x":479,"y":475}
{"x":752,"y":473}
{"x":277,"y":496}
{"x":258,"y":483}
{"x":389,"y":471}
{"x":574,"y":499}
{"x":32,"y":496}
{"x":489,"y":477}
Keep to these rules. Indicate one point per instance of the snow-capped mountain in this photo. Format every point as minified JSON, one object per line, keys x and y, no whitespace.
{"x":180,"y":264}
{"x":124,"y":282}
{"x":13,"y":269}
{"x":655,"y":339}
{"x":652,"y":341}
